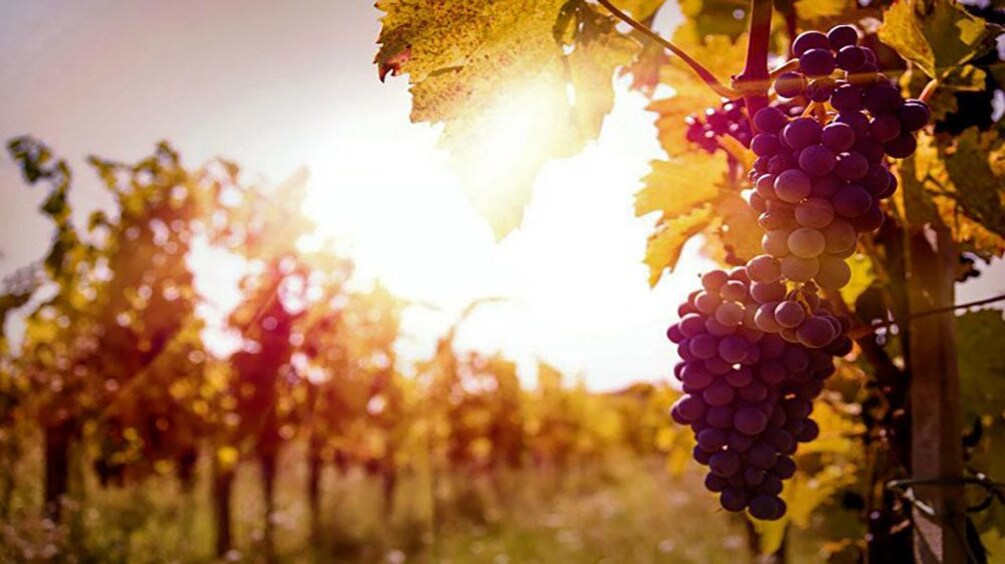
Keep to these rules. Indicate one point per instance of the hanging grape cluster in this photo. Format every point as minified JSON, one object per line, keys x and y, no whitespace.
{"x":757,"y":342}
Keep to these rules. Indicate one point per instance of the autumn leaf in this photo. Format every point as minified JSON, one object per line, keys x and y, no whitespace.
{"x":665,"y":244}
{"x":936,"y":35}
{"x":515,"y":83}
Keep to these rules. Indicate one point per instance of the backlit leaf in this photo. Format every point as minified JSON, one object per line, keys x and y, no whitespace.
{"x":936,"y":35}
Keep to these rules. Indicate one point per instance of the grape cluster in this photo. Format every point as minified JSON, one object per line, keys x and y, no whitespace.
{"x":727,"y":119}
{"x":748,"y":393}
{"x":757,"y":342}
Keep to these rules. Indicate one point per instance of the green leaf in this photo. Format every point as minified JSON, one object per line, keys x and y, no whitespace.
{"x":515,"y":82}
{"x":936,"y":35}
{"x":981,"y":363}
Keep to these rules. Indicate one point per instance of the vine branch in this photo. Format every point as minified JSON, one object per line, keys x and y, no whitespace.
{"x":868,"y":330}
{"x":703,"y":73}
{"x":753,"y":81}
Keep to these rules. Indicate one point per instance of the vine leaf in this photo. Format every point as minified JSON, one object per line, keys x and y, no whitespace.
{"x":515,"y":83}
{"x":665,"y":244}
{"x":936,"y":35}
{"x":962,"y":185}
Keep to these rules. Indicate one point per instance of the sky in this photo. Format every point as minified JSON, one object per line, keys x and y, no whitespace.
{"x":280,"y":85}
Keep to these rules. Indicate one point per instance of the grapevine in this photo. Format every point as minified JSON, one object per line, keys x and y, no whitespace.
{"x":757,"y":342}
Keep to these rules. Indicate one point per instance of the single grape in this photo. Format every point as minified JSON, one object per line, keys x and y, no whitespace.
{"x":715,"y":484}
{"x":695,"y":377}
{"x":785,"y":467}
{"x":825,"y":186}
{"x":789,"y":314}
{"x":692,"y":324}
{"x":902,"y":146}
{"x":755,"y":392}
{"x":870,"y":148}
{"x":764,"y":292}
{"x":876,"y":180}
{"x":712,"y":440}
{"x":814,"y":212}
{"x":700,"y":456}
{"x":770,"y":120}
{"x":720,"y":417}
{"x":834,"y":273}
{"x":851,"y":201}
{"x":815,"y":333}
{"x":766,"y":507}
{"x":771,"y":372}
{"x":806,"y":243}
{"x":754,"y":476}
{"x":750,"y":421}
{"x":733,"y":499}
{"x":809,"y":40}
{"x":801,"y":132}
{"x":704,"y":346}
{"x":781,"y":162}
{"x":761,"y":455}
{"x":765,"y":186}
{"x":820,"y":89}
{"x":714,"y":280}
{"x":739,"y":378}
{"x":851,"y":166}
{"x":766,"y":144}
{"x":775,"y":243}
{"x":817,"y":62}
{"x":793,"y":186}
{"x":734,"y":290}
{"x":810,"y":432}
{"x":724,"y":464}
{"x":738,"y":442}
{"x":780,"y":440}
{"x":854,"y":119}
{"x":850,"y":58}
{"x":842,"y":36}
{"x":707,"y":302}
{"x":870,"y":55}
{"x":772,"y":484}
{"x":817,"y":160}
{"x":884,"y":127}
{"x":765,"y":318}
{"x":914,"y":115}
{"x":870,"y":221}
{"x":691,"y":408}
{"x":882,"y":98}
{"x":796,"y":408}
{"x":772,"y":220}
{"x":837,"y":137}
{"x":732,"y":349}
{"x":764,"y":268}
{"x":799,"y":269}
{"x":790,"y":84}
{"x":729,"y":314}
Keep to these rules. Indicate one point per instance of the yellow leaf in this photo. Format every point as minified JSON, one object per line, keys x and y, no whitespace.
{"x":861,"y":277}
{"x":937,"y":35}
{"x":664,"y":246}
{"x":677,"y":187}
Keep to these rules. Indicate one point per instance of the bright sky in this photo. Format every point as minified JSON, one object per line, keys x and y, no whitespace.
{"x":277,"y":85}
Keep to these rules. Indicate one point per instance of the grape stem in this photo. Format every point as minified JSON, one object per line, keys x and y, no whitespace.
{"x":867,"y":330}
{"x":753,"y":81}
{"x":929,"y":90}
{"x":703,"y":73}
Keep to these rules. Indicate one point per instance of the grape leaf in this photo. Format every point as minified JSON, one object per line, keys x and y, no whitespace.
{"x":936,"y":35}
{"x":514,"y":82}
{"x":981,"y":362}
{"x":677,"y":186}
{"x":664,"y":245}
{"x":862,"y":277}
{"x":961,"y":184}
{"x":716,"y":17}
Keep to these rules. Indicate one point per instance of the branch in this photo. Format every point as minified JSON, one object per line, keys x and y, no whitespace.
{"x":870,"y":329}
{"x":703,"y":73}
{"x":753,"y":81}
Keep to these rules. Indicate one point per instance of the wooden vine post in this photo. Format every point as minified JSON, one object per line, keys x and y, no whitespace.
{"x":939,"y":513}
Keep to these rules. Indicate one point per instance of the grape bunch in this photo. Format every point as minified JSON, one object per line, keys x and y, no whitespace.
{"x":727,"y":119}
{"x":757,"y":342}
{"x":748,"y":393}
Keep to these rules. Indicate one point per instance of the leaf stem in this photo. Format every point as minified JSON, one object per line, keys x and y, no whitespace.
{"x":929,"y":90}
{"x":869,"y":329}
{"x":703,"y":73}
{"x":753,"y":81}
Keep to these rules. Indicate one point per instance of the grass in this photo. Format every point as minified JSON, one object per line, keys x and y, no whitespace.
{"x":622,"y":509}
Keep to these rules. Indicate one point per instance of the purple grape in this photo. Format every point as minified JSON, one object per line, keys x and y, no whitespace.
{"x":810,"y":432}
{"x":815,"y":333}
{"x":806,"y":243}
{"x":690,"y":408}
{"x":793,"y":186}
{"x":700,"y":456}
{"x":842,"y":36}
{"x":884,"y":127}
{"x":820,"y":89}
{"x":770,"y":120}
{"x":771,"y":372}
{"x":755,"y":392}
{"x":851,"y":201}
{"x":766,"y":507}
{"x":715,"y":484}
{"x":750,"y":421}
{"x":789,"y":314}
{"x":733,"y":500}
{"x":903,"y":146}
{"x":733,"y":349}
{"x":740,"y":378}
{"x":850,"y":58}
{"x":870,"y":221}
{"x":696,"y":378}
{"x":854,"y":119}
{"x":801,"y":132}
{"x":882,"y":98}
{"x":914,"y":115}
{"x":761,"y":455}
{"x":729,"y":314}
{"x":780,"y":440}
{"x":814,"y":212}
{"x":738,"y":442}
{"x":724,"y":464}
{"x":825,"y":186}
{"x":714,"y":280}
{"x":707,"y":302}
{"x":776,"y":243}
{"x":764,"y":292}
{"x":799,"y":269}
{"x":847,"y":98}
{"x":692,"y":324}
{"x":834,"y":273}
{"x":851,"y":166}
{"x":704,"y":346}
{"x":764,"y":268}
{"x":790,"y":84}
{"x":870,"y":148}
{"x":766,"y":144}
{"x":876,"y":180}
{"x":781,"y":162}
{"x":817,"y":160}
{"x":817,"y":62}
{"x":720,"y":417}
{"x":809,"y":40}
{"x":674,"y":334}
{"x":711,"y":440}
{"x":734,"y":290}
{"x":797,"y":409}
{"x":765,"y":318}
{"x":772,"y":220}
{"x":837,"y":137}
